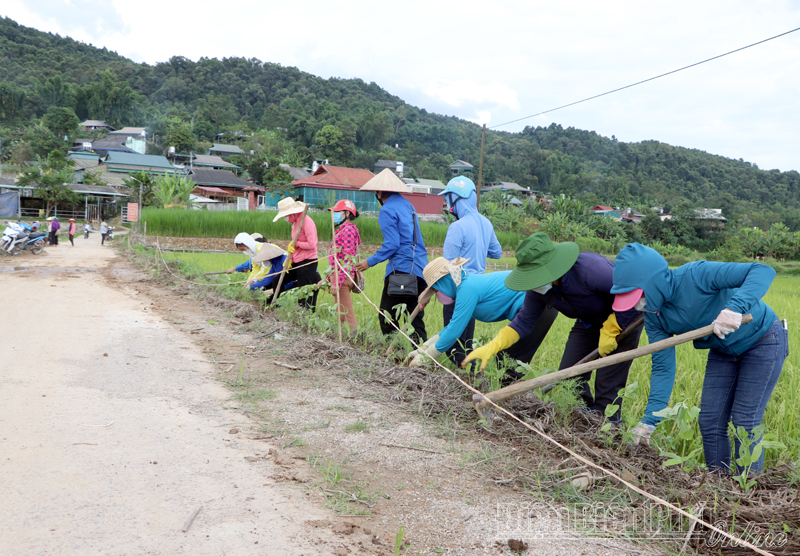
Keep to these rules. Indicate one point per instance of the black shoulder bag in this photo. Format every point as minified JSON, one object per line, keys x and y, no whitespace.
{"x":401,"y":283}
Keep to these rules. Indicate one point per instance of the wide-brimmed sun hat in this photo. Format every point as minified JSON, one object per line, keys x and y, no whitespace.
{"x":268,"y":252}
{"x":50,"y":218}
{"x":540,"y":261}
{"x":71,"y":220}
{"x":628,"y":300}
{"x":287,"y":207}
{"x":386,"y":181}
{"x":439,"y":268}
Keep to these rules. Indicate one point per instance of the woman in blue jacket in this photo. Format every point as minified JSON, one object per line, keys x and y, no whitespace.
{"x":403,"y":248}
{"x":472,"y":237}
{"x":744,"y":360}
{"x":482,"y":297}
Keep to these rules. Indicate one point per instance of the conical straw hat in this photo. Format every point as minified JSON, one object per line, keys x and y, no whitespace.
{"x":386,"y":181}
{"x":268,"y":252}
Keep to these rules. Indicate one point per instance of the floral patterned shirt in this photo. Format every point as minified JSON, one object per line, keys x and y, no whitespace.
{"x":344,"y":247}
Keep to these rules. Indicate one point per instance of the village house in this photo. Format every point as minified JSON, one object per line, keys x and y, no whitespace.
{"x":460,"y":167}
{"x":219,"y":149}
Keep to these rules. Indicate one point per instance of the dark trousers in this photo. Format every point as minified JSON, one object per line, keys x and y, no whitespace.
{"x":53,"y":238}
{"x":408,"y":304}
{"x":608,"y":381}
{"x":526,"y":347}
{"x":304,"y":276}
{"x":103,"y":239}
{"x":71,"y":237}
{"x":463,"y":345}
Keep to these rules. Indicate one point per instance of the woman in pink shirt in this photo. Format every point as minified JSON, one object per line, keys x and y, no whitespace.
{"x":303,"y":252}
{"x":71,"y":232}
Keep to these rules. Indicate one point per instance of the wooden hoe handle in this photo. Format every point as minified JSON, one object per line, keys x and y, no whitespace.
{"x":482,"y":401}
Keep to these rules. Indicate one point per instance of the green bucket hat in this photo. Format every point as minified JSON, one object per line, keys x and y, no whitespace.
{"x":540,"y":261}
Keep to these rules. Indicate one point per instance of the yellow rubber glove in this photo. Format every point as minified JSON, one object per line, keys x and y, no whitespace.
{"x":290,"y":248}
{"x":505,"y":338}
{"x":608,"y":336}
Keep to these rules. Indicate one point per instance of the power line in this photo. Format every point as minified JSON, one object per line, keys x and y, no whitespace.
{"x":645,"y":80}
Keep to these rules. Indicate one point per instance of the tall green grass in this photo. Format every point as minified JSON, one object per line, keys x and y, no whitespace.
{"x":781,"y":416}
{"x":205,"y":223}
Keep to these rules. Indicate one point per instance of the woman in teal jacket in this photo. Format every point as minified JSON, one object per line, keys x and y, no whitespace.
{"x":744,"y":360}
{"x":483,"y":297}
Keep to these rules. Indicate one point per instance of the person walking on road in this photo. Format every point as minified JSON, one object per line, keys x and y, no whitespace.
{"x":71,"y":232}
{"x":303,"y":258}
{"x":744,"y":360}
{"x":578,"y":285}
{"x":403,"y":248}
{"x":52,"y":229}
{"x":103,"y":232}
{"x":470,"y":237}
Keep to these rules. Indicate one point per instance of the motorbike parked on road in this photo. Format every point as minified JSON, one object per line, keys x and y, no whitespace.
{"x":15,"y":238}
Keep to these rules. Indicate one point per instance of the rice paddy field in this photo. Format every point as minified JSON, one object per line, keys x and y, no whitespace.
{"x":203,"y":223}
{"x":784,"y":297}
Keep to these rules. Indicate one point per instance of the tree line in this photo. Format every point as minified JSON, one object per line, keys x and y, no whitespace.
{"x":281,"y":114}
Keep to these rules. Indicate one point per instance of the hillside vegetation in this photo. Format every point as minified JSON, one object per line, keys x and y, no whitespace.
{"x":50,"y":83}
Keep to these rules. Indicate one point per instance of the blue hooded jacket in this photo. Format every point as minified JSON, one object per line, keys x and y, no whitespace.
{"x":482,"y":296}
{"x":396,"y":220}
{"x":471,"y":236}
{"x":691,"y":297}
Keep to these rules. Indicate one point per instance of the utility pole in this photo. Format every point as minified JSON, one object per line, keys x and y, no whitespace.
{"x":480,"y":166}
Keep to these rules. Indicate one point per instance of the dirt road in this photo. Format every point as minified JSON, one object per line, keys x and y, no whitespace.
{"x":113,"y":430}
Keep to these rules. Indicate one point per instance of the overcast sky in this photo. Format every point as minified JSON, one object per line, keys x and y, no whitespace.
{"x":495,"y":62}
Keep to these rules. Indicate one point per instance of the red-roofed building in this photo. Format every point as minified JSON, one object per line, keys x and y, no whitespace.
{"x":327,"y":176}
{"x":336,"y":183}
{"x":332,"y":182}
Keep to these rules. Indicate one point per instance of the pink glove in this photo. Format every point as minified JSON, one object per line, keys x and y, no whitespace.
{"x":726,"y":323}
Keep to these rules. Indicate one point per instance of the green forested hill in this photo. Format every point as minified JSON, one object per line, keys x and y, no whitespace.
{"x":48,"y":83}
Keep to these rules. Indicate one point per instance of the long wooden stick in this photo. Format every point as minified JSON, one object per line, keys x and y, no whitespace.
{"x":212,"y":273}
{"x":289,"y":255}
{"x":336,"y":270}
{"x":596,"y":353}
{"x":482,"y":401}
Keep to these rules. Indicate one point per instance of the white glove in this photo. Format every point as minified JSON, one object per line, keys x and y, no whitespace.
{"x":726,"y":323}
{"x":642,"y":433}
{"x":418,"y":356}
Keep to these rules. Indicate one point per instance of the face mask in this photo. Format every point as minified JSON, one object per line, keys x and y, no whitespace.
{"x":544,"y":289}
{"x":380,"y":201}
{"x":443,"y":299}
{"x":451,"y":204}
{"x":338,"y":218}
{"x":640,"y":304}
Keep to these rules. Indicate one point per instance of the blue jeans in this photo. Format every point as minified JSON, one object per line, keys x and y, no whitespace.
{"x":737,"y":389}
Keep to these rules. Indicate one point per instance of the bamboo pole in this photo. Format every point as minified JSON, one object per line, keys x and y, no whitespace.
{"x":288,"y":262}
{"x":336,"y":269}
{"x":484,"y":400}
{"x":217,"y":272}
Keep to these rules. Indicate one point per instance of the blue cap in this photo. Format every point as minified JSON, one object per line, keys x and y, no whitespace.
{"x":461,"y":186}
